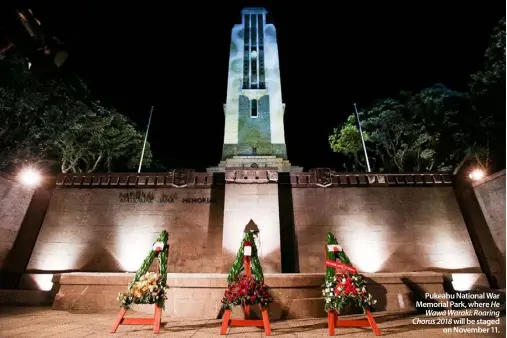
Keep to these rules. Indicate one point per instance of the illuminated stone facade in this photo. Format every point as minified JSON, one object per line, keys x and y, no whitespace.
{"x":387,"y":223}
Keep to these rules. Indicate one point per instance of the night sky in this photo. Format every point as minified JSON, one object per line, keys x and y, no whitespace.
{"x":174,"y":56}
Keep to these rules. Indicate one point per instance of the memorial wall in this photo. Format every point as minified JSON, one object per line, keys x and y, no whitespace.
{"x":490,"y":194}
{"x":391,"y":229}
{"x":14,"y":201}
{"x":382,"y":227}
{"x":112,"y":229}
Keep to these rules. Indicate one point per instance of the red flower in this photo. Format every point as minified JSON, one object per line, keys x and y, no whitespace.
{"x":246,"y":291}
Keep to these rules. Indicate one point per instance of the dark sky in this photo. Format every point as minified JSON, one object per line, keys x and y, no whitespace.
{"x":175,"y":57}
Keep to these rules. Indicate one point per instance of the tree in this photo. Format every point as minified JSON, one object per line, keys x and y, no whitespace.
{"x":384,"y":129}
{"x":487,"y":95}
{"x":412,"y":132}
{"x":437,"y":127}
{"x":53,"y":122}
{"x":387,"y":127}
{"x":97,"y":140}
{"x":439,"y":130}
{"x":347,"y":140}
{"x":493,"y":74}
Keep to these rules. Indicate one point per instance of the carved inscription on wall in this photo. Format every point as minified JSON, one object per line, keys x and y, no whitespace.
{"x":199,"y":200}
{"x":149,"y":197}
{"x":137,"y":197}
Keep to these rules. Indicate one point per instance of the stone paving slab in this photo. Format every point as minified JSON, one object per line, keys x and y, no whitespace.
{"x":42,"y":322}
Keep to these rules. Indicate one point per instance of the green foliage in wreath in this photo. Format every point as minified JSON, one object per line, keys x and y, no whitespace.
{"x":346,"y":288}
{"x":333,"y":255}
{"x":330,"y":256}
{"x":242,"y":290}
{"x":255,"y":263}
{"x":148,"y":287}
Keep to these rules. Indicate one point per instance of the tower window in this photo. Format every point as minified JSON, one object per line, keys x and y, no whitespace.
{"x":253,"y":111}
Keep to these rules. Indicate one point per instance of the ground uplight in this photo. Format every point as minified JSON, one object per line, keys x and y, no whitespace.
{"x":30,"y":177}
{"x":476,"y":174}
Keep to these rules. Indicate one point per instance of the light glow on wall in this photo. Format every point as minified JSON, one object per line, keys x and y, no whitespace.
{"x":464,"y":281}
{"x":132,"y":246}
{"x":43,"y":282}
{"x":269,"y":233}
{"x":57,"y":256}
{"x":445,"y":250}
{"x":259,"y":202}
{"x":368,"y":250}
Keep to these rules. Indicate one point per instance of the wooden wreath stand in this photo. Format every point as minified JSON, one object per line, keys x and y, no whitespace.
{"x":155,"y":321}
{"x":332,"y":316}
{"x":227,"y":321}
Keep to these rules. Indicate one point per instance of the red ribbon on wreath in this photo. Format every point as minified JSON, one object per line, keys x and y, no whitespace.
{"x":341,"y":266}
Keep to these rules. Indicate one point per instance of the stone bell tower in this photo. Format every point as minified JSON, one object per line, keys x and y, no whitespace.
{"x":254,"y":129}
{"x":254,"y":152}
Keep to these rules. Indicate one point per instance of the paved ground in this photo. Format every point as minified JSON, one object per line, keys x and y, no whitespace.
{"x":43,"y":322}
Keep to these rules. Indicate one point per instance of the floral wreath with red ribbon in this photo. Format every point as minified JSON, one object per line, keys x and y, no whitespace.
{"x":243,"y":290}
{"x":346,"y":289}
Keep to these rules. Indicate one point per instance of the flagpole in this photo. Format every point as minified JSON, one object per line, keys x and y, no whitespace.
{"x":362,"y":139}
{"x":145,"y":139}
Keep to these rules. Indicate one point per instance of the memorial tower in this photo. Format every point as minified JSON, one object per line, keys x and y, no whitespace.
{"x":254,"y":129}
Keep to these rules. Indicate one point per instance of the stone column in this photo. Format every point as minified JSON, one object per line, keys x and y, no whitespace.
{"x":252,"y":195}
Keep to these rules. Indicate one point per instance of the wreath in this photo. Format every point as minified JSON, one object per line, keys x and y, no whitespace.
{"x":246,"y":291}
{"x":343,"y":289}
{"x":149,"y":287}
{"x":346,"y":289}
{"x":243,"y":290}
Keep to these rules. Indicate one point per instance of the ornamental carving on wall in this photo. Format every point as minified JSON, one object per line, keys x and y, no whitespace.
{"x":251,"y":175}
{"x":181,"y":177}
{"x":254,"y":94}
{"x":272,"y":175}
{"x":322,"y":176}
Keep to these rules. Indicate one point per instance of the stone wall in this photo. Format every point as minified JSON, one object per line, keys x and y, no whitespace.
{"x":383,"y":227}
{"x":386,"y":223}
{"x":485,"y":204}
{"x":198,"y":296}
{"x":491,"y":196}
{"x":252,"y":204}
{"x":111,"y":228}
{"x":14,"y":201}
